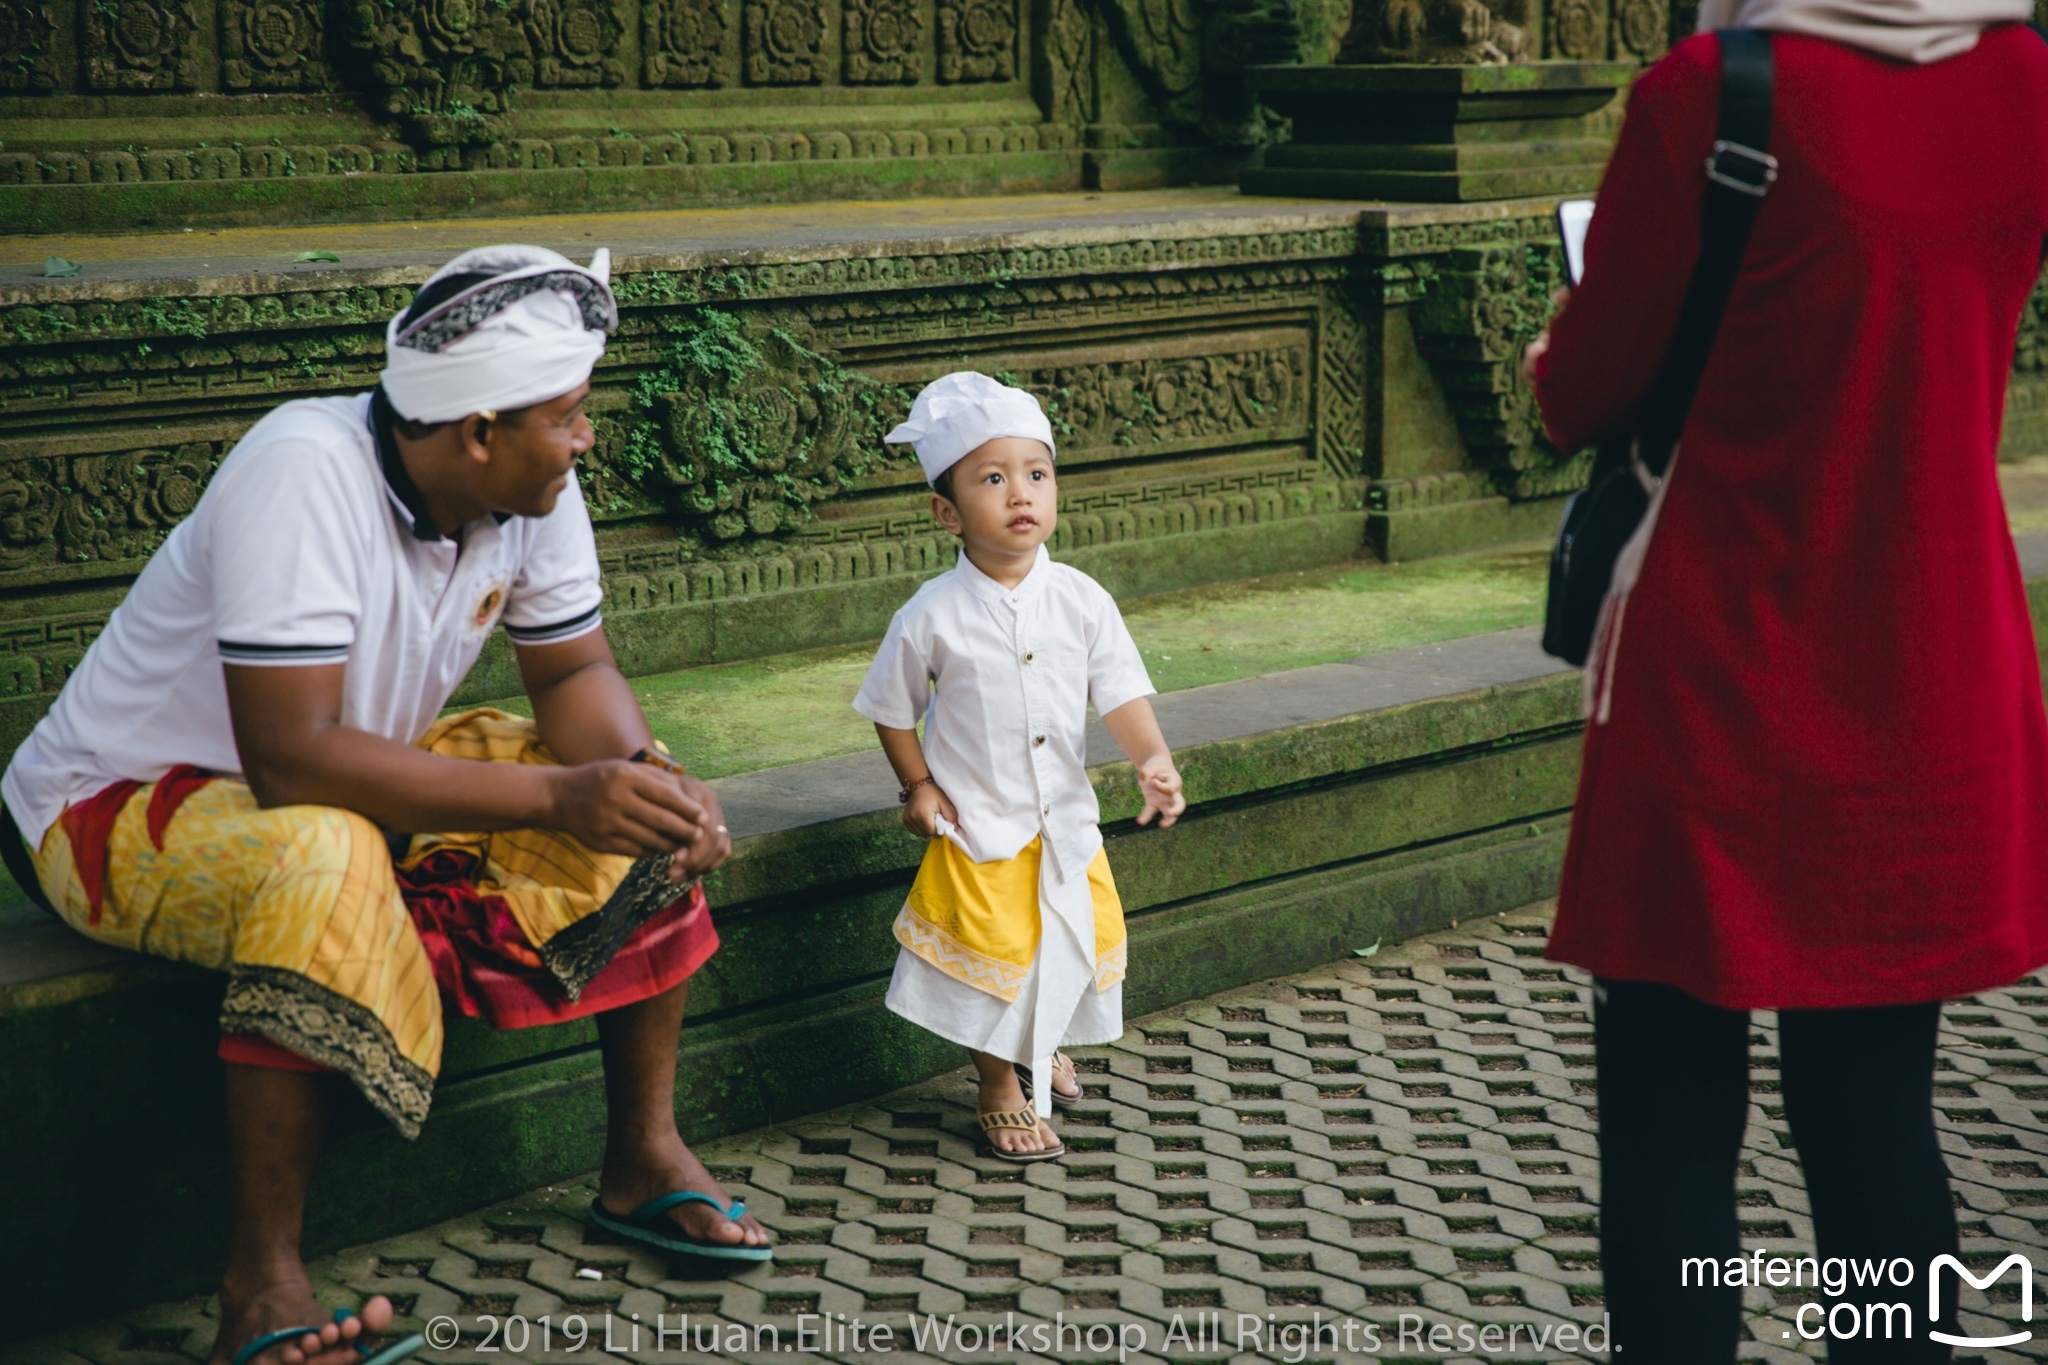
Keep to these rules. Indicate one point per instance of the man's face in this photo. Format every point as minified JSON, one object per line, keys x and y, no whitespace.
{"x":533,"y":455}
{"x":1004,"y":497}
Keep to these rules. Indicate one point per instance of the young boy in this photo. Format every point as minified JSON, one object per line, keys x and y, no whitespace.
{"x":1012,"y":937}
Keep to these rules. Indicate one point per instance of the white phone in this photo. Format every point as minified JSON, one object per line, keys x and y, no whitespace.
{"x":1574,"y":216}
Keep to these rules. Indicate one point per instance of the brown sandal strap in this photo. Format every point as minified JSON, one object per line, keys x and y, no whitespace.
{"x":993,"y":1119}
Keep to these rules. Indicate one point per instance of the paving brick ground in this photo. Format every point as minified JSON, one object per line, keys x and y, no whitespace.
{"x":1406,"y":1134}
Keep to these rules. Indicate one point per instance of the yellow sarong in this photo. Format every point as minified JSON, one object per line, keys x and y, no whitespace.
{"x":300,"y":906}
{"x":980,"y":923}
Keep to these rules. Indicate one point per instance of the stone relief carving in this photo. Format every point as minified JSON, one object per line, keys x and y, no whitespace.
{"x":884,"y":42}
{"x":445,"y":66}
{"x":977,"y":40}
{"x":272,"y":45}
{"x":1438,"y":32}
{"x":785,"y":42}
{"x":98,"y":507}
{"x":688,"y":43}
{"x":28,"y":46}
{"x":1642,"y":28}
{"x":1066,"y":72}
{"x":1188,"y":53}
{"x":142,"y":45}
{"x":745,"y":428}
{"x":1578,"y":30}
{"x":1341,"y":344}
{"x":1483,"y":306}
{"x":1134,"y":403}
{"x":576,"y":42}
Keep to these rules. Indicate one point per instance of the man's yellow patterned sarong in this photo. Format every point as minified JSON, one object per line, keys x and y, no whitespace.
{"x":300,"y":906}
{"x":980,"y":923}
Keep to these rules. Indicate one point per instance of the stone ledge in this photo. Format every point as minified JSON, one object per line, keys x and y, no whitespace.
{"x":259,"y":260}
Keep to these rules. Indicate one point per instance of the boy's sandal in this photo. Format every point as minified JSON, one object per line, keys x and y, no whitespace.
{"x":371,"y":1355}
{"x":1059,"y":1101}
{"x":651,"y":1224}
{"x":1023,"y":1120}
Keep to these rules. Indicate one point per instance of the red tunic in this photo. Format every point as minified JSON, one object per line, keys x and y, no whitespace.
{"x":1824,"y":782}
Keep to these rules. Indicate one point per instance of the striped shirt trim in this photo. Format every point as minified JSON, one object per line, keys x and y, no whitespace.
{"x":560,"y":630}
{"x":238,"y":652}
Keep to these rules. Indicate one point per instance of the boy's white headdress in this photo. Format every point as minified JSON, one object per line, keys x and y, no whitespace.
{"x":530,"y":332}
{"x":958,"y":412}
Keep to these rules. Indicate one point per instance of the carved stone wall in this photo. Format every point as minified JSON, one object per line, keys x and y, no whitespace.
{"x":686,"y":91}
{"x":1198,"y":383}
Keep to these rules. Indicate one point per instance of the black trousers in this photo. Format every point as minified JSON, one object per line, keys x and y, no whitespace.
{"x":1674,"y":1098}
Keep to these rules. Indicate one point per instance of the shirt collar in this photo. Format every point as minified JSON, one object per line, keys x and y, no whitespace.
{"x":399,"y":488}
{"x":988,"y":590}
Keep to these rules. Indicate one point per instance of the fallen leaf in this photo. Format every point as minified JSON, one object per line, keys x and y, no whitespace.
{"x":1366,"y":952}
{"x":57,"y":268}
{"x":318,"y":256}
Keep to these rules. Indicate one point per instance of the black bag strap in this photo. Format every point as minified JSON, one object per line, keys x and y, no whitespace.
{"x":1739,"y":174}
{"x":14,"y":853}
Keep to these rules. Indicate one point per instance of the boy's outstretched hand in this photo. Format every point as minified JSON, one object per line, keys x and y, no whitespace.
{"x":1160,"y":781}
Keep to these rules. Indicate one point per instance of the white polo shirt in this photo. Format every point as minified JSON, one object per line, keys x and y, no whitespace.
{"x":303,"y":550}
{"x":1003,"y":678}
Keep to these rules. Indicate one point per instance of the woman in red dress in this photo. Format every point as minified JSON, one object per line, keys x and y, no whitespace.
{"x":1816,"y":763}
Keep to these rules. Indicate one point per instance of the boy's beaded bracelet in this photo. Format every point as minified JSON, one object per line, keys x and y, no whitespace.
{"x":903,"y":797}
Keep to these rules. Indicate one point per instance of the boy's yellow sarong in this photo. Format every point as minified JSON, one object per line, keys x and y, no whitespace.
{"x":300,"y":905}
{"x":980,"y":923}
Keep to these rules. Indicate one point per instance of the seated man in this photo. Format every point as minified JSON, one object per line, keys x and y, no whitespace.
{"x":245,"y":769}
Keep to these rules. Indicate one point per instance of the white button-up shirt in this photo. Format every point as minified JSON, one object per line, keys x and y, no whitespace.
{"x":1003,"y":678}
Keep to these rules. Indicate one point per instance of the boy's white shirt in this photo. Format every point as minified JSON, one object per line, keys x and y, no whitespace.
{"x":1002,"y":678}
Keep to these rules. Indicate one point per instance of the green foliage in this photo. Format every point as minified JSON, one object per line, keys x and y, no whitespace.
{"x":178,"y":317}
{"x":742,"y":427}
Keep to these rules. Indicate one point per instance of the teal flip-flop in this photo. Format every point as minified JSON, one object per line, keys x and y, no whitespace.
{"x":387,"y":1355}
{"x":649,"y":1224}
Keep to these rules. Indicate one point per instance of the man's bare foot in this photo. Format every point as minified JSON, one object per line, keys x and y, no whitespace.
{"x":1001,"y":1090}
{"x":287,"y":1301}
{"x":634,"y":1175}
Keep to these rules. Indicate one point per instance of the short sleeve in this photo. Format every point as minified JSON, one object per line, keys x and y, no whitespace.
{"x":558,"y":592}
{"x":286,"y":550}
{"x":898,"y":686}
{"x":1116,"y":671}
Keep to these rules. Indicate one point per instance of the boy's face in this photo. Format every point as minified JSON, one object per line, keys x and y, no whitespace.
{"x":1005,"y":500}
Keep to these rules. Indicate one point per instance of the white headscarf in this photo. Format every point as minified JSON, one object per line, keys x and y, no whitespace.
{"x":1919,"y":31}
{"x":958,"y":412}
{"x":531,"y":332}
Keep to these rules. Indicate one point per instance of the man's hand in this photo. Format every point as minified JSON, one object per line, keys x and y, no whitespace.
{"x":922,"y":811}
{"x":1160,"y":782}
{"x":709,"y":850}
{"x":636,"y":809}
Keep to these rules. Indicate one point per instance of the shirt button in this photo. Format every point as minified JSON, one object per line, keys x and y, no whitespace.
{"x":1047,"y":810}
{"x":1029,"y":657}
{"x":1039,"y":740}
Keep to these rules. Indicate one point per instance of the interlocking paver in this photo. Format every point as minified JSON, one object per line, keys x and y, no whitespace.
{"x":1404,"y":1140}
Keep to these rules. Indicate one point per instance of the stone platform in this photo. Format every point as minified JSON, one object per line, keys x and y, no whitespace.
{"x":1403,"y":1139}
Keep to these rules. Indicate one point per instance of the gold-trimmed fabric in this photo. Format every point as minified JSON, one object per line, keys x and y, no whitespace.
{"x":980,"y":923}
{"x":300,"y":906}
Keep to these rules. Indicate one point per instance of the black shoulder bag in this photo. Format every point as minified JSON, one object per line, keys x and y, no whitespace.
{"x":1628,"y":469}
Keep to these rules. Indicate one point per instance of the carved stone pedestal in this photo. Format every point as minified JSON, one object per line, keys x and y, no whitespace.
{"x":1435,"y":133}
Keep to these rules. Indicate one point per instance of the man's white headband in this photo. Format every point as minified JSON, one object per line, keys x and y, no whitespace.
{"x":958,"y":412}
{"x":531,"y":332}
